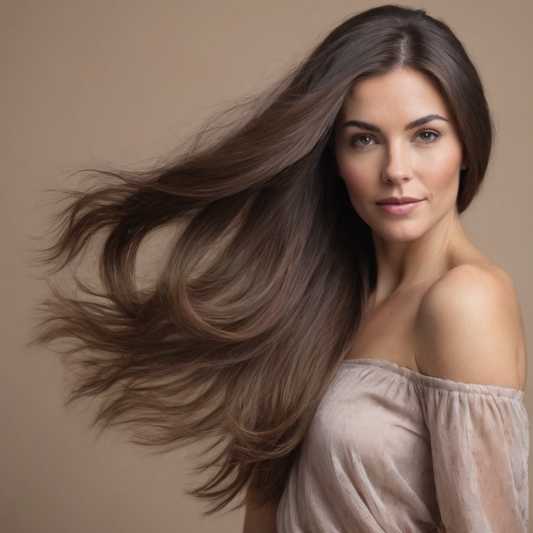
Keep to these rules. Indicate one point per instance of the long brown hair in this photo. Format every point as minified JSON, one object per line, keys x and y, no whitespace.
{"x":267,"y":269}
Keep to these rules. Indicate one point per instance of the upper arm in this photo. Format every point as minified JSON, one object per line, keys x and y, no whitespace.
{"x":469,"y":329}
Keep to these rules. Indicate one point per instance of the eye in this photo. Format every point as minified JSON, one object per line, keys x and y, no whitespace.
{"x":427,"y":136}
{"x":362,"y":140}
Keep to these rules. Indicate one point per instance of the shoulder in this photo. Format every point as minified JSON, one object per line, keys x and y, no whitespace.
{"x":469,"y":328}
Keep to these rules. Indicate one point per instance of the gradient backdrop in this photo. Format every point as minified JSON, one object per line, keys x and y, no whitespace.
{"x":123,"y":81}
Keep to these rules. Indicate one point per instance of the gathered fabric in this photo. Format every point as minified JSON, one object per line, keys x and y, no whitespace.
{"x":391,"y":450}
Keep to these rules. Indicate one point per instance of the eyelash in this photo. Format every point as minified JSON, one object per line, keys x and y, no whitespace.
{"x":354,"y":139}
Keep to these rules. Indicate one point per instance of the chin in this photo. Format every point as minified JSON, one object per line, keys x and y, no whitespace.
{"x":399,"y":232}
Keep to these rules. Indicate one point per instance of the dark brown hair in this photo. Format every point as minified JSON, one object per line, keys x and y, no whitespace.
{"x":262,"y":288}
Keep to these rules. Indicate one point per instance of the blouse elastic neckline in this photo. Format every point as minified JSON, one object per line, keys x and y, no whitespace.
{"x":440,"y":383}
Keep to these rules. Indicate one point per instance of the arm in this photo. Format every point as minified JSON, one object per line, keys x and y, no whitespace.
{"x":470,"y":333}
{"x":260,"y":519}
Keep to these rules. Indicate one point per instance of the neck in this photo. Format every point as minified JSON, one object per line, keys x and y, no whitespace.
{"x":405,"y":264}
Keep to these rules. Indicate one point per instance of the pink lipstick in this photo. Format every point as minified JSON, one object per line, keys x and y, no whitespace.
{"x":399,"y":205}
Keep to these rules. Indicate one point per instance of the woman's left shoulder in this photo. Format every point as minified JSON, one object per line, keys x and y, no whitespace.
{"x":472,"y":284}
{"x":469,"y":327}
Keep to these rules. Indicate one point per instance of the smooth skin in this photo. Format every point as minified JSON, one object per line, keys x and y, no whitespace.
{"x":440,"y":307}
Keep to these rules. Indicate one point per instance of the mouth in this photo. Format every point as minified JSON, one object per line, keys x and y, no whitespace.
{"x":396,"y":200}
{"x":399,"y":205}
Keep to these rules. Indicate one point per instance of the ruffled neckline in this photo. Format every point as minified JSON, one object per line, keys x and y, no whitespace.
{"x":433,"y":382}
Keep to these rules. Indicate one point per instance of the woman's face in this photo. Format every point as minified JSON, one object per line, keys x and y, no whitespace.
{"x":398,"y":150}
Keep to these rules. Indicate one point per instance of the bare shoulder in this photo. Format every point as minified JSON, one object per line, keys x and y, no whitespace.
{"x":469,"y":328}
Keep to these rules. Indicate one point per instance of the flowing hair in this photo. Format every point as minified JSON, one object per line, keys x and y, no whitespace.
{"x":267,"y":266}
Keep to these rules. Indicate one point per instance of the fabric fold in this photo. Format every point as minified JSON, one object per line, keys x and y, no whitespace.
{"x":392,"y":450}
{"x":480,"y":446}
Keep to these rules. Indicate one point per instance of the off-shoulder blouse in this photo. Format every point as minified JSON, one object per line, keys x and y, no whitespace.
{"x":391,"y":450}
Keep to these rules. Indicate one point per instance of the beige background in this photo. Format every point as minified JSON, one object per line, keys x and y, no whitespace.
{"x":122,"y":81}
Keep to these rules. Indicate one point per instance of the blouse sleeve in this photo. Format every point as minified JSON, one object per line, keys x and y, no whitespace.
{"x":480,"y":444}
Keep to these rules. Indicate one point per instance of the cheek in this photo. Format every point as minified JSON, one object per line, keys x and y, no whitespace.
{"x":359,"y":189}
{"x":441,"y":173}
{"x":360,"y":178}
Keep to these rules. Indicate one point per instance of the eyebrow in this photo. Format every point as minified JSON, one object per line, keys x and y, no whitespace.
{"x":411,"y":125}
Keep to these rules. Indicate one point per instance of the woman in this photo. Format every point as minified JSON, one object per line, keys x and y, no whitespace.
{"x":355,"y":362}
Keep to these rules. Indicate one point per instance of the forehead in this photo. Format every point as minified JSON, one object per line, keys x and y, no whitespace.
{"x":399,"y":94}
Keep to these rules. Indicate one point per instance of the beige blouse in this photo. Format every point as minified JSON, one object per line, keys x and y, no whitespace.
{"x":393,"y":451}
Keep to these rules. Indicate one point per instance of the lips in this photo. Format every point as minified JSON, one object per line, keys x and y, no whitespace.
{"x":398,"y":200}
{"x":400,"y":205}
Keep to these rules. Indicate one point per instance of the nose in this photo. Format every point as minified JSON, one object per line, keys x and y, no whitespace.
{"x":397,"y":167}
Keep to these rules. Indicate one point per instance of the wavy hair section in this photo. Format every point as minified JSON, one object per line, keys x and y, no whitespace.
{"x":267,"y":266}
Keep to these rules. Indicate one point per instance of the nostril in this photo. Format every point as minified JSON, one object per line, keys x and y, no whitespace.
{"x":397,"y":177}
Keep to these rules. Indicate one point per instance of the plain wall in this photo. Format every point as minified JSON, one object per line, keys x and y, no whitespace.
{"x":122,"y":81}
